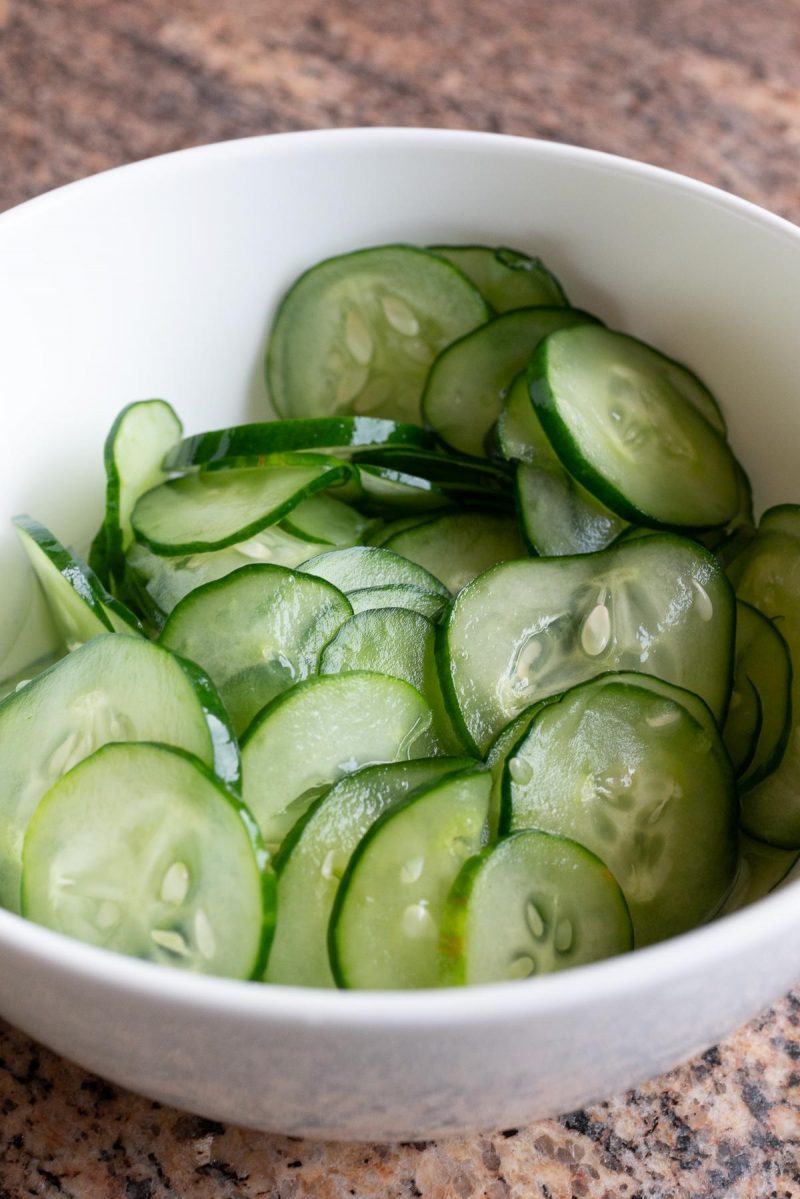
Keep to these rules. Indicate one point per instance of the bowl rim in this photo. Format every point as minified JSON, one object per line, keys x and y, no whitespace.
{"x":697,"y":950}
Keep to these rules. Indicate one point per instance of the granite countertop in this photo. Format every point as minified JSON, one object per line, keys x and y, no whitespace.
{"x":708,"y":88}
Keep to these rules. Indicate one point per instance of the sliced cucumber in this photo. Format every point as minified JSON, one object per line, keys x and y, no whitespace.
{"x":630,"y":773}
{"x":390,"y":492}
{"x":370,"y":566}
{"x":385,"y":529}
{"x":457,"y":475}
{"x":215,"y":509}
{"x":505,"y":278}
{"x":744,"y":721}
{"x":319,"y":731}
{"x":324,"y":520}
{"x":464,"y":390}
{"x":137,"y":442}
{"x":399,"y":595}
{"x":134,"y":850}
{"x":533,"y":904}
{"x":385,"y":923}
{"x":357,"y":333}
{"x":763,"y":662}
{"x":762,"y":868}
{"x":86,"y":700}
{"x":331,"y":434}
{"x":315,"y":855}
{"x":459,"y":545}
{"x":257,"y":632}
{"x":525,"y":630}
{"x":622,"y":419}
{"x":159,"y":583}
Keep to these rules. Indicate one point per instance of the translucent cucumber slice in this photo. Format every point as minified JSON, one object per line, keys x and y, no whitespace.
{"x":457,"y":546}
{"x":526,"y":630}
{"x":385,"y":529}
{"x":385,"y":923}
{"x":464,"y":391}
{"x":759,"y":722}
{"x":316,"y":853}
{"x":399,"y":595}
{"x":257,"y":632}
{"x":135,"y":448}
{"x":357,"y":333}
{"x":87,"y":700}
{"x":533,"y":904}
{"x":398,"y":642}
{"x":218,"y":508}
{"x":389,"y":492}
{"x":767,"y":575}
{"x":762,"y":868}
{"x":453,"y":473}
{"x":632,"y":775}
{"x":505,"y":278}
{"x":324,"y":520}
{"x":134,"y":851}
{"x":159,"y":583}
{"x":325,"y":435}
{"x":371,"y":566}
{"x":743,"y":722}
{"x":623,"y":420}
{"x":322,"y":729}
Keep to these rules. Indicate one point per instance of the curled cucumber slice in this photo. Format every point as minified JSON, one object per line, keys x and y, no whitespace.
{"x":505,"y":278}
{"x":134,"y":850}
{"x":533,"y":904}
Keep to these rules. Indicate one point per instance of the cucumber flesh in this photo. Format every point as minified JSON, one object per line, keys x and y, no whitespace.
{"x":763,"y":667}
{"x":324,"y":520}
{"x":385,"y":923}
{"x":505,"y":278}
{"x":457,"y":546}
{"x":371,"y":566}
{"x":398,"y":595}
{"x":762,"y":868}
{"x":134,"y":851}
{"x":533,"y":904}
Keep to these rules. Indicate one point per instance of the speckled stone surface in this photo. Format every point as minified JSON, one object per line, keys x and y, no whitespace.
{"x":708,"y":88}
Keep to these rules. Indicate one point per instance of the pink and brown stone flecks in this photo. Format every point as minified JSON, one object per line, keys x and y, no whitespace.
{"x":707,"y":87}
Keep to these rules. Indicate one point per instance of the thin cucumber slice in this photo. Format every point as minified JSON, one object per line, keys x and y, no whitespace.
{"x":740,"y":528}
{"x":316,"y":853}
{"x":257,"y":632}
{"x":134,"y":849}
{"x":324,"y":520}
{"x":158,"y":583}
{"x":454,"y":473}
{"x":86,"y":700}
{"x":370,"y":566}
{"x":385,"y":529}
{"x":624,"y":424}
{"x":459,"y":545}
{"x":322,"y":729}
{"x":783,"y":518}
{"x":464,"y":390}
{"x":505,"y":278}
{"x":137,"y":442}
{"x":743,"y":723}
{"x":325,"y":435}
{"x":398,"y":642}
{"x":557,"y":515}
{"x":633,"y":776}
{"x":399,"y":595}
{"x":533,"y":904}
{"x":385,"y":923}
{"x":767,"y":575}
{"x":762,"y":868}
{"x":763,"y":662}
{"x":357,"y":333}
{"x":215,"y":509}
{"x":388,"y":492}
{"x":499,"y":752}
{"x":525,"y":630}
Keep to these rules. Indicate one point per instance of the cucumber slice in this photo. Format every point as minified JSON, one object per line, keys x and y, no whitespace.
{"x":257,"y":632}
{"x":398,"y":642}
{"x":505,"y":278}
{"x":389,"y":492}
{"x":315,"y":855}
{"x":783,"y":518}
{"x":499,"y":753}
{"x":459,"y":545}
{"x":762,"y":868}
{"x":86,"y":700}
{"x":399,"y":595}
{"x":557,"y":515}
{"x":159,"y":583}
{"x":767,"y":575}
{"x":385,"y":923}
{"x":763,"y":662}
{"x":357,"y":333}
{"x":385,"y":529}
{"x":134,"y":849}
{"x":464,"y":390}
{"x":137,"y":442}
{"x":458,"y":474}
{"x":319,"y":731}
{"x":623,"y":421}
{"x":632,"y":775}
{"x":215,"y":509}
{"x":325,"y":435}
{"x":524,"y":630}
{"x":323,"y":520}
{"x":534,"y":904}
{"x":370,"y":566}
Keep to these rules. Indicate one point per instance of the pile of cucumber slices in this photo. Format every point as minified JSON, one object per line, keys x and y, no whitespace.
{"x":471,"y":666}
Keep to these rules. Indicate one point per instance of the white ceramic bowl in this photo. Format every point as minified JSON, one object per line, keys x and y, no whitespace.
{"x":160,"y":279}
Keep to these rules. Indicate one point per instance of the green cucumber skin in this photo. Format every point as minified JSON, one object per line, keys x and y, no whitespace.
{"x":82,"y":583}
{"x":224,"y":746}
{"x":508,"y":258}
